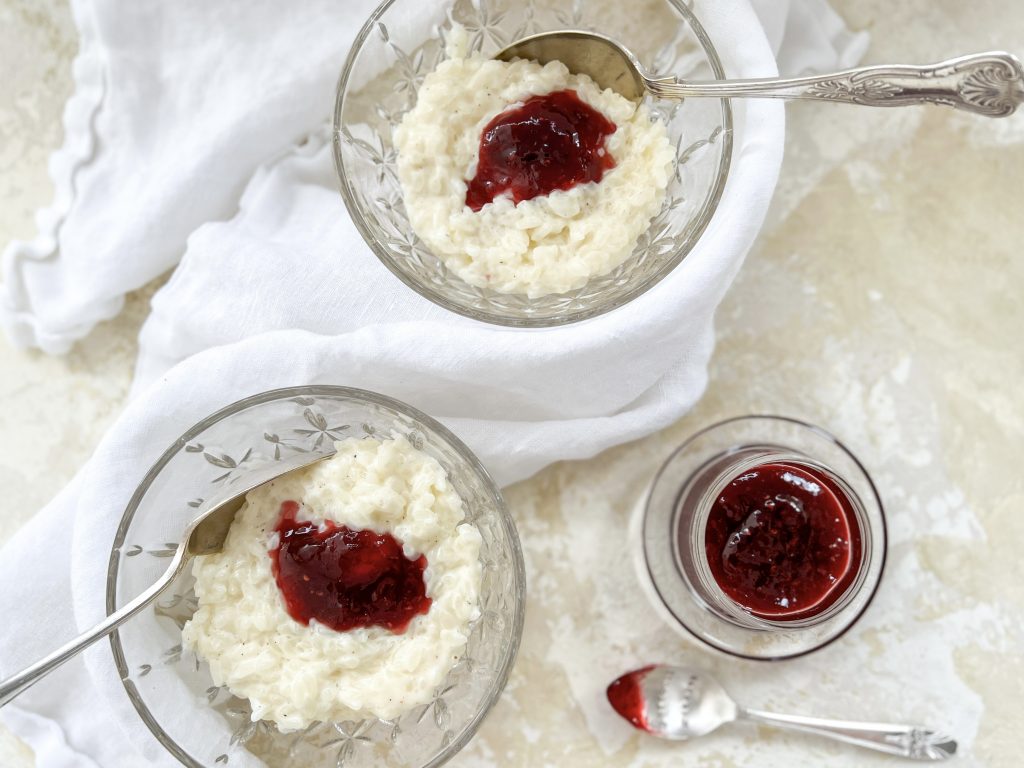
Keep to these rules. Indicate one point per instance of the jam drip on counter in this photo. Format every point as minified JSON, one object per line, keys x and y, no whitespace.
{"x":554,"y":141}
{"x":782,"y":541}
{"x":346,"y":579}
{"x":627,"y":697}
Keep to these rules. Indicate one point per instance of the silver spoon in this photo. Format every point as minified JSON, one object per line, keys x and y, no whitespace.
{"x":680,"y":703}
{"x":989,"y":84}
{"x":204,"y":536}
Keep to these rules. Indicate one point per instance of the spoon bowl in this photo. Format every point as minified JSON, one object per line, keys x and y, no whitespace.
{"x":990,"y":84}
{"x":690,"y":703}
{"x":206,"y":534}
{"x":604,"y":61}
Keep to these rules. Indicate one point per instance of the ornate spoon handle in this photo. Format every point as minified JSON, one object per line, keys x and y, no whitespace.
{"x":989,"y":84}
{"x":910,"y":741}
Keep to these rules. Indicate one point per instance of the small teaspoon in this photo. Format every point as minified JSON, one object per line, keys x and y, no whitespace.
{"x":680,"y":703}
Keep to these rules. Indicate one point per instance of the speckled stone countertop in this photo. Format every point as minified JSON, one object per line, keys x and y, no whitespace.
{"x":882,"y":302}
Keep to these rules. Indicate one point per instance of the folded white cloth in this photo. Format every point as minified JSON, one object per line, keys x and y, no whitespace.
{"x":808,"y":36}
{"x":177,"y":107}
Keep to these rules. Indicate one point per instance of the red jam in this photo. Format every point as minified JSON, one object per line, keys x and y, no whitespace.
{"x":554,"y":141}
{"x":627,"y":697}
{"x":346,"y":579}
{"x":782,"y":541}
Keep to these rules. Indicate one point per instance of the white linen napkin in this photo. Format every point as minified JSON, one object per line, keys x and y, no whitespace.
{"x":808,"y":36}
{"x":160,"y":141}
{"x":175,"y":106}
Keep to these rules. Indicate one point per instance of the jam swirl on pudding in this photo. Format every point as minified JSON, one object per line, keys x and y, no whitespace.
{"x":346,"y":579}
{"x":782,"y":541}
{"x":554,"y":141}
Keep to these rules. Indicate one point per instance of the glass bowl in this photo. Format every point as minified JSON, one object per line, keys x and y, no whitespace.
{"x":674,"y":559}
{"x":402,"y":42}
{"x":203,"y":725}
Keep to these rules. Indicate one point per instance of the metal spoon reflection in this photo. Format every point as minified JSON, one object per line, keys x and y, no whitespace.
{"x":990,"y":84}
{"x":680,"y":703}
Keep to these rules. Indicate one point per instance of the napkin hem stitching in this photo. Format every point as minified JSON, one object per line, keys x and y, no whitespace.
{"x":78,"y":150}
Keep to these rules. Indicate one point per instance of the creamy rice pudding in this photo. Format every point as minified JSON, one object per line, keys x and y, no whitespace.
{"x":525,"y":178}
{"x":344,"y":591}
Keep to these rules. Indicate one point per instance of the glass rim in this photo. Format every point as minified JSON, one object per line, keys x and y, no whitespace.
{"x":507,"y":523}
{"x":699,"y":226}
{"x":882,"y":535}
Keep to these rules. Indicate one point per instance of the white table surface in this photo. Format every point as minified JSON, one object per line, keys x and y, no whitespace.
{"x":883,"y":301}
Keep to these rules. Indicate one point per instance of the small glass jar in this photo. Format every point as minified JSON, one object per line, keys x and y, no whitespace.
{"x":675,"y":518}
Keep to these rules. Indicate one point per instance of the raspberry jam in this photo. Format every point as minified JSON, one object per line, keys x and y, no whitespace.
{"x":554,"y":141}
{"x":346,"y":579}
{"x":782,"y":541}
{"x":627,"y":697}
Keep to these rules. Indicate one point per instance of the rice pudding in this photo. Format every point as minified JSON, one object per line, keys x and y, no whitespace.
{"x":344,"y":591}
{"x":548,"y":241}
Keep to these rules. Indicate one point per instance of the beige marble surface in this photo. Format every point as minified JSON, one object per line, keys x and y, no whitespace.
{"x":883,"y":302}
